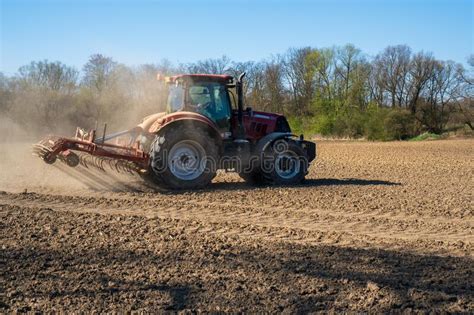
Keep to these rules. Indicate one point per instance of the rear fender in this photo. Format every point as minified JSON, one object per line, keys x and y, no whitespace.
{"x":148,"y":121}
{"x":160,"y":120}
{"x":192,"y":124}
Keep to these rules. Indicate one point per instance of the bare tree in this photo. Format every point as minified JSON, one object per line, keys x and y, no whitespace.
{"x":325,"y":64}
{"x":440,"y":93}
{"x":350,"y":76}
{"x":209,"y":66}
{"x":465,"y":99}
{"x":299,"y":75}
{"x":252,"y":70}
{"x":99,"y":72}
{"x":392,"y":67}
{"x":53,"y":76}
{"x":274,"y":87}
{"x":347,"y":58}
{"x":45,"y":93}
{"x":421,"y":70}
{"x":267,"y":89}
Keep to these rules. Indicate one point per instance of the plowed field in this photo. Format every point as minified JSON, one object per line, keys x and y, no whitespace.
{"x":376,"y":226}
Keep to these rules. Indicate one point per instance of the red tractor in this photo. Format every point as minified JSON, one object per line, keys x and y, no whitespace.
{"x":205,"y":128}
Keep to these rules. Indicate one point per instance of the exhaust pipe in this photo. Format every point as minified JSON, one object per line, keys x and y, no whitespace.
{"x":240,"y":104}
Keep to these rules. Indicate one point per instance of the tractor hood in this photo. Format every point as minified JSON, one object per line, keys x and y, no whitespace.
{"x":265,"y":115}
{"x":258,"y":124}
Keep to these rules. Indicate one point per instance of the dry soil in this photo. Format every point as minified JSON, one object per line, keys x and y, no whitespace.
{"x":376,"y":226}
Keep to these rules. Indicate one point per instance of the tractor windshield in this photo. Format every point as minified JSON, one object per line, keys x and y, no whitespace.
{"x":175,"y":99}
{"x":210,"y":99}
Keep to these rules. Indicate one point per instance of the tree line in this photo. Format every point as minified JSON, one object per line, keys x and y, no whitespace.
{"x":337,"y":91}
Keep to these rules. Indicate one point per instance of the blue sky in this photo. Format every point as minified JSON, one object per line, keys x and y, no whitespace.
{"x":137,"y":32}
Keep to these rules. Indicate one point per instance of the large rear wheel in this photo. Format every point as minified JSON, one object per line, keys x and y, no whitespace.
{"x":183,"y":159}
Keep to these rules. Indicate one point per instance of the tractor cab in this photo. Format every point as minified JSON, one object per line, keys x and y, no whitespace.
{"x":211,"y":96}
{"x":207,"y":95}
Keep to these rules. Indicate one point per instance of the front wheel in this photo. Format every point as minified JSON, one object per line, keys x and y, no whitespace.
{"x":284,"y":162}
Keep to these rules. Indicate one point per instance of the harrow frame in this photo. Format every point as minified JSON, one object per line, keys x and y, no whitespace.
{"x":120,"y":157}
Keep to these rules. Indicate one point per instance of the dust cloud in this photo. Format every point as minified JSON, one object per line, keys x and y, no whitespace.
{"x":21,"y":171}
{"x":33,"y":114}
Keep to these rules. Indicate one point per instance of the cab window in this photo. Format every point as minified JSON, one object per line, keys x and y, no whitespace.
{"x":211,"y":99}
{"x":175,"y":101}
{"x":199,"y":95}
